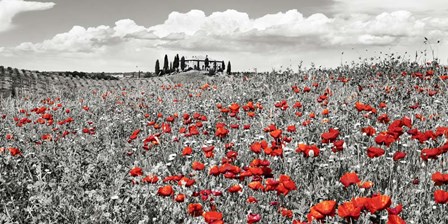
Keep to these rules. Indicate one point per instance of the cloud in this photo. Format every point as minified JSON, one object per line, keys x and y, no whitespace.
{"x":10,"y":8}
{"x":284,"y":34}
{"x":427,"y":7}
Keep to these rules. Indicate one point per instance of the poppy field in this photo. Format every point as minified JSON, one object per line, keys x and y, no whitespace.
{"x":362,"y":144}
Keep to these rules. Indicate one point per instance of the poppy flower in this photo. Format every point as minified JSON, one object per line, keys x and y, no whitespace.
{"x":330,"y":136}
{"x":326,"y":208}
{"x":338,"y":146}
{"x":256,"y":186}
{"x":365,"y":184}
{"x":395,"y":219}
{"x":221,"y":132}
{"x":253,"y":218}
{"x":385,"y":138}
{"x":369,"y":131}
{"x":373,"y":152}
{"x":377,"y":203}
{"x":399,"y":155}
{"x":251,"y":199}
{"x":165,"y":191}
{"x":136,"y":171}
{"x":439,"y":178}
{"x":429,"y":153}
{"x":197,"y":165}
{"x":9,"y":136}
{"x":441,"y":197}
{"x":322,"y":210}
{"x":291,"y":128}
{"x":187,"y":151}
{"x":180,"y":198}
{"x":383,"y":119}
{"x":349,"y":178}
{"x":14,"y":151}
{"x":194,"y":209}
{"x":150,"y":179}
{"x":234,"y":107}
{"x":286,"y":212}
{"x":276,"y":133}
{"x":212,"y":217}
{"x":396,"y":210}
{"x":235,"y":188}
{"x":349,"y":210}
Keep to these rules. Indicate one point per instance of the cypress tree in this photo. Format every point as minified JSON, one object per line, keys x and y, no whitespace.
{"x":223,"y":66}
{"x":157,"y":70}
{"x":229,"y":68}
{"x":165,"y":64}
{"x":206,"y":62}
{"x":182,"y":63}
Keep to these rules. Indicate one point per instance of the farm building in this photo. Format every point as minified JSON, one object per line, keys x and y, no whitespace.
{"x":199,"y":63}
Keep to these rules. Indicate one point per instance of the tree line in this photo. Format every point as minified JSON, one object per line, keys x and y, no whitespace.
{"x":179,"y":64}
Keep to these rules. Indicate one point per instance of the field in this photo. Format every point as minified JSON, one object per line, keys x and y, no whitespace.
{"x":362,"y":144}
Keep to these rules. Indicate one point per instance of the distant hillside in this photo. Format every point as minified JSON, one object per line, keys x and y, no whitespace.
{"x":15,"y":82}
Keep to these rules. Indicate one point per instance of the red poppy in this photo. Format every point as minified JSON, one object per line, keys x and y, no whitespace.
{"x":14,"y":151}
{"x":150,"y":179}
{"x":235,"y":188}
{"x":291,"y":128}
{"x":197,"y":165}
{"x":385,"y":138}
{"x":195,"y":209}
{"x":180,"y":198}
{"x":276,"y":133}
{"x":439,"y":178}
{"x":395,"y":219}
{"x":396,"y":210}
{"x":253,"y":218}
{"x":251,"y":199}
{"x":399,"y":155}
{"x":9,"y":136}
{"x":365,"y":184}
{"x":349,"y":178}
{"x":286,"y":212}
{"x":349,"y":210}
{"x":369,"y":131}
{"x":165,"y":191}
{"x":373,"y":152}
{"x":256,"y":186}
{"x":212,"y":217}
{"x":326,"y":208}
{"x":136,"y":171}
{"x":330,"y":136}
{"x":234,"y":107}
{"x":187,"y":151}
{"x":214,"y":171}
{"x":377,"y":203}
{"x":441,"y":196}
{"x":321,"y":210}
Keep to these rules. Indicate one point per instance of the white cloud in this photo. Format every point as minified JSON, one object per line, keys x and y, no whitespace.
{"x":429,"y":7}
{"x":235,"y":33}
{"x":10,"y":8}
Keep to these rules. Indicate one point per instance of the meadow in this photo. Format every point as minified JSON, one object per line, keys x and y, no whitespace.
{"x":359,"y":144}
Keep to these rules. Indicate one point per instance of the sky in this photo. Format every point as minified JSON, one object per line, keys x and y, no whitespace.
{"x":122,"y":36}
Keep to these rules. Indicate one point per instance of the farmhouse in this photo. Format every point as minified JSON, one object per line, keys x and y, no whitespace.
{"x":204,"y":63}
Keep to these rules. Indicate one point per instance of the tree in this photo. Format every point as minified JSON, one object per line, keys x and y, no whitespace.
{"x":229,"y":68}
{"x":206,"y":61}
{"x":171,"y":67}
{"x":182,"y":63}
{"x":176,"y":62}
{"x":223,"y":66}
{"x":165,"y":64}
{"x":157,"y":70}
{"x":2,"y":70}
